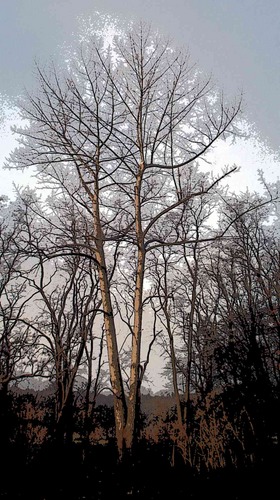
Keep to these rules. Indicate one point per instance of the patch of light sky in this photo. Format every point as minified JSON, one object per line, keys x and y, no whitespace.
{"x":251,"y":155}
{"x":12,"y":179}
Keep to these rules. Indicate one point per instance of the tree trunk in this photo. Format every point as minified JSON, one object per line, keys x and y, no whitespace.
{"x":134,"y":389}
{"x":110,"y":331}
{"x":174,"y":370}
{"x":134,"y":393}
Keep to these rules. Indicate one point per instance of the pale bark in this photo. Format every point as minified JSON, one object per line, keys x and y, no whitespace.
{"x":109,"y":326}
{"x":133,"y":403}
{"x":134,"y":392}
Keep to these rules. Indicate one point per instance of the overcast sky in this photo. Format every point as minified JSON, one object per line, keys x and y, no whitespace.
{"x":238,"y":41}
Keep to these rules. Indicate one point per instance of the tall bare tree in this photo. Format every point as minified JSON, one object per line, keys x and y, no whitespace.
{"x":119,"y":130}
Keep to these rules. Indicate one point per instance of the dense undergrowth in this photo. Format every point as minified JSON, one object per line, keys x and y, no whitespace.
{"x":85,"y":465}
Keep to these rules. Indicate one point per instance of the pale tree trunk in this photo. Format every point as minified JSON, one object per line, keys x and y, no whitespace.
{"x":109,"y":326}
{"x":134,"y":390}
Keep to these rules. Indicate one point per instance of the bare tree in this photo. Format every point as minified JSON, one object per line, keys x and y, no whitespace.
{"x":17,"y":342}
{"x":245,"y":274}
{"x":19,"y":350}
{"x":178,"y":283}
{"x":241,"y":291}
{"x":119,"y":131}
{"x":66,"y":289}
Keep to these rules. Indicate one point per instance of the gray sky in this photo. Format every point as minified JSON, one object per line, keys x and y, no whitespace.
{"x":238,"y":41}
